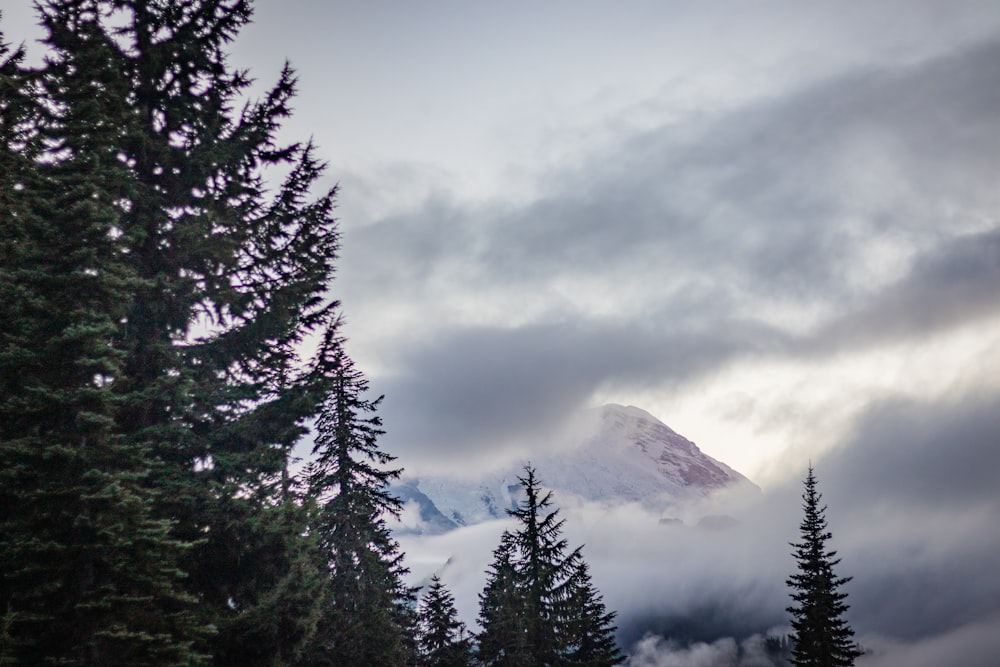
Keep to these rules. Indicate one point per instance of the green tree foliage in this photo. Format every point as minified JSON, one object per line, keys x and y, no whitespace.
{"x":821,"y":636}
{"x":281,"y":625}
{"x":91,"y":572}
{"x":154,"y":298}
{"x":502,"y":611}
{"x":368,"y":617}
{"x":590,"y":628}
{"x":441,"y":637}
{"x":539,"y":607}
{"x":16,"y":167}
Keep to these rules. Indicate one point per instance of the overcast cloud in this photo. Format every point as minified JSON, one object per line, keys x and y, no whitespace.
{"x":843,"y":216}
{"x":913,"y":522}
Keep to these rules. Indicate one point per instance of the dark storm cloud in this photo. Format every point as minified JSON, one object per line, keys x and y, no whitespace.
{"x":925,"y":457}
{"x":927,"y":471}
{"x":409,"y":247}
{"x":473,"y":387}
{"x":913,"y":501}
{"x":953,"y":283}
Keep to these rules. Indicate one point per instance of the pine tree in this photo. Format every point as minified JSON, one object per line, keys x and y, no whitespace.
{"x":544,"y":568}
{"x":91,"y":573}
{"x":441,"y":637}
{"x":539,"y":608}
{"x":281,"y":625}
{"x":368,"y":615}
{"x":16,"y":168}
{"x":502,"y":612}
{"x":590,"y":628}
{"x":158,"y":299}
{"x":821,"y":637}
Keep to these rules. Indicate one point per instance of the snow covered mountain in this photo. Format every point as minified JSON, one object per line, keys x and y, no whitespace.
{"x":620,"y":455}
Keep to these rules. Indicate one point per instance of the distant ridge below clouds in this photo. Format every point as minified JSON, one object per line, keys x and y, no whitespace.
{"x":618,"y":454}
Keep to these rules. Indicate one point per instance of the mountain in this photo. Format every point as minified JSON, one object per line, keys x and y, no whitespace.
{"x":619,"y":454}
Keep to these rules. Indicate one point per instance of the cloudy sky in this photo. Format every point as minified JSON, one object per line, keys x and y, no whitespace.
{"x":758,"y":221}
{"x":775,"y":225}
{"x":754,"y":220}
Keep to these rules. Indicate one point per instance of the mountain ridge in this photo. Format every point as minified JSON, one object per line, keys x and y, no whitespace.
{"x":619,"y":454}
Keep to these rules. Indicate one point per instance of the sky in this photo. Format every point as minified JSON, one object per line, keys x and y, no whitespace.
{"x":772,"y":224}
{"x":756,"y":221}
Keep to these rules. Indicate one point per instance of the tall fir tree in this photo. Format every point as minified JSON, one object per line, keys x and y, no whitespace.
{"x":589,"y":626}
{"x":158,"y":299}
{"x":91,"y":574}
{"x":15,"y":109}
{"x":502,"y":641}
{"x":441,"y":637}
{"x":821,"y":636}
{"x":539,"y":608}
{"x":281,"y":625}
{"x":544,"y":567}
{"x":368,"y":615}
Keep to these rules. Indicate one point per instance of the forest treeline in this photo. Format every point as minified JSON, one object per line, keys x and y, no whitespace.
{"x":167,"y":338}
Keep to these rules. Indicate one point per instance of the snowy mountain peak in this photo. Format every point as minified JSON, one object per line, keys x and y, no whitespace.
{"x":677,"y":458}
{"x":617,"y":454}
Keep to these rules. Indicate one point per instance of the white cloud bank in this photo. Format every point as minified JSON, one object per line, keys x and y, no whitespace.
{"x":913,"y":521}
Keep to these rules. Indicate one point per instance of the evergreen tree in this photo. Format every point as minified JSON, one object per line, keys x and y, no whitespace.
{"x":154,"y":300}
{"x":821,"y":637}
{"x":502,"y":612}
{"x":590,"y":628}
{"x":91,"y":574}
{"x":281,"y":625}
{"x":441,"y":637}
{"x":368,"y":616}
{"x":539,"y":608}
{"x":544,"y":568}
